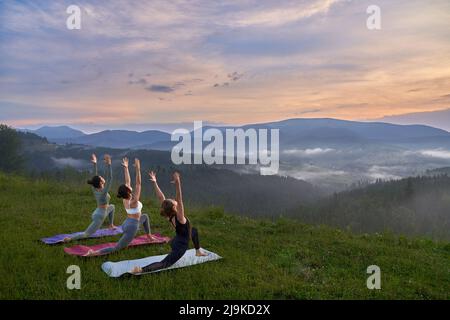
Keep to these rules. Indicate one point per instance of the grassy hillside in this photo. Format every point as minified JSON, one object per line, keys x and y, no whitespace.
{"x":262,"y":259}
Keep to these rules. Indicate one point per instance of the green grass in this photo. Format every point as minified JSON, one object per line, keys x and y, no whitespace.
{"x":262,"y":259}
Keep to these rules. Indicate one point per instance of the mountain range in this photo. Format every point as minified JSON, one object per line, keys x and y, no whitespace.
{"x":293,"y":133}
{"x":329,"y":153}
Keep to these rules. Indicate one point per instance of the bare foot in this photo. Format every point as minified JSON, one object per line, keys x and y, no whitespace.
{"x":67,"y":239}
{"x":136,"y":269}
{"x":90,"y":253}
{"x":112,"y":227}
{"x":199,"y":253}
{"x":152,"y":237}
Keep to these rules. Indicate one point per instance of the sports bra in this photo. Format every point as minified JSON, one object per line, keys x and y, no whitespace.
{"x":136,"y":210}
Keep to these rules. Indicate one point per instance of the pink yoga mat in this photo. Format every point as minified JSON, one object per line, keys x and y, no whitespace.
{"x":80,"y":250}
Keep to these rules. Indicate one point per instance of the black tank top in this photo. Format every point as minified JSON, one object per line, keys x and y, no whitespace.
{"x":182,"y":232}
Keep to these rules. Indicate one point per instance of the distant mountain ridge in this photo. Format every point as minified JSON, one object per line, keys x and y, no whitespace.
{"x":107,"y":138}
{"x":58,"y":132}
{"x":293,"y":132}
{"x":122,"y":138}
{"x":367,"y":130}
{"x":437,"y":119}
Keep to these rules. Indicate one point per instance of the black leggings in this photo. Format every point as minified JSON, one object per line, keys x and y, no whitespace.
{"x":177,"y":252}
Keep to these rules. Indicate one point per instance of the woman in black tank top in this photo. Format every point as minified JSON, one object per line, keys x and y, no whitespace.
{"x":173,"y":210}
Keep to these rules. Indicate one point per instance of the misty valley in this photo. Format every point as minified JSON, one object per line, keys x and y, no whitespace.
{"x":364,"y":177}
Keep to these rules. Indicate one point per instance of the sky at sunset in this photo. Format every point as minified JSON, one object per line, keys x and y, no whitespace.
{"x":138,"y":62}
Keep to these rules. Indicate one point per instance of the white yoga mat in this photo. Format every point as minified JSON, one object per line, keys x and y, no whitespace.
{"x":117,"y":269}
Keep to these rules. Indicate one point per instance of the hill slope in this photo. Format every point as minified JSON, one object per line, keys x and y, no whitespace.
{"x":412,"y":206}
{"x":262,"y":259}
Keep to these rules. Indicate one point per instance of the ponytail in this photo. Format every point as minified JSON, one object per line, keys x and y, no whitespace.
{"x":95,"y":181}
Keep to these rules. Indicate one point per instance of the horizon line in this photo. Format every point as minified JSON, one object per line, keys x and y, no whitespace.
{"x":218,"y":125}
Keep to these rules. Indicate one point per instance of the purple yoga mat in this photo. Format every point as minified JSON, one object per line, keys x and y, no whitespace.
{"x":80,"y":250}
{"x":97,"y":234}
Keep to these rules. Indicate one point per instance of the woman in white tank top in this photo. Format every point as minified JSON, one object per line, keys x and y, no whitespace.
{"x":133,"y":208}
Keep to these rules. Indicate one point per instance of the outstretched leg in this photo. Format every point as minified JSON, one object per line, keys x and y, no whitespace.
{"x":169,"y":260}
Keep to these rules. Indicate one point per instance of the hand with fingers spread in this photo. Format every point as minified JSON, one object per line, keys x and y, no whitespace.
{"x":176,"y":177}
{"x":152,"y":176}
{"x":125,"y":162}
{"x":107,"y":159}
{"x":159,"y":194}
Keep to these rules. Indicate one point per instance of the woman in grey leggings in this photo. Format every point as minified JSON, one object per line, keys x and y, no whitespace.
{"x":134,"y":211}
{"x":100,"y":188}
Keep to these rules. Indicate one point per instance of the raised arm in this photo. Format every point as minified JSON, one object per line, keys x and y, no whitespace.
{"x":159,"y":194}
{"x":126,"y":173}
{"x":179,"y":197}
{"x":137,"y":189}
{"x":94,"y":163}
{"x":108,"y":173}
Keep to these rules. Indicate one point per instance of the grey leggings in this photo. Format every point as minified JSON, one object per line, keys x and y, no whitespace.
{"x":98,"y":217}
{"x":130,"y":228}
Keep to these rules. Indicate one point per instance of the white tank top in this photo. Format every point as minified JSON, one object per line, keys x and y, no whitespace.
{"x":136,"y":210}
